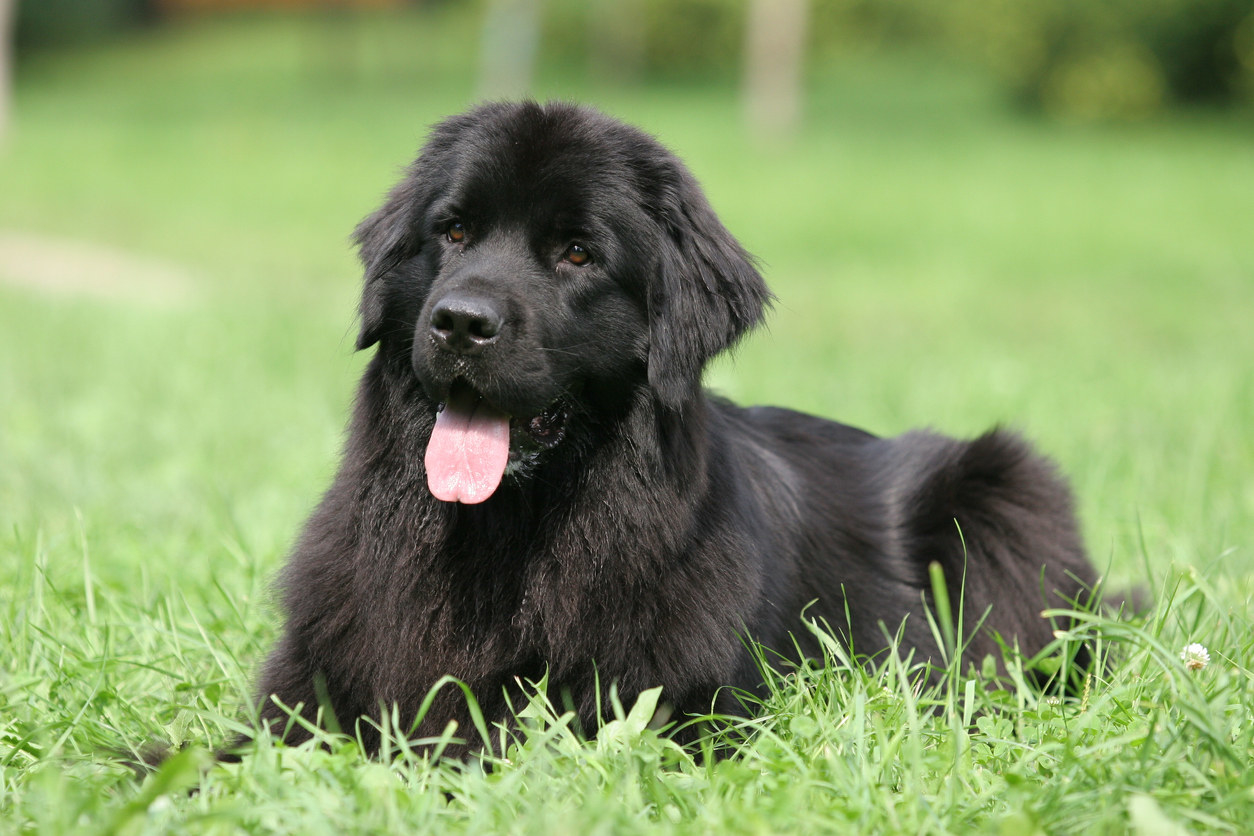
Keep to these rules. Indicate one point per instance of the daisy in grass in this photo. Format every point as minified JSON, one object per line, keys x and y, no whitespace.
{"x":1195,"y":656}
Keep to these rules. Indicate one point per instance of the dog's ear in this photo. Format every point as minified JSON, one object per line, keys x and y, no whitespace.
{"x":384,"y":240}
{"x":706,"y":295}
{"x":395,"y":232}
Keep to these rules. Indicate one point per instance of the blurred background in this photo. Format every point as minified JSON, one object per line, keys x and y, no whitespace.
{"x":972,"y":211}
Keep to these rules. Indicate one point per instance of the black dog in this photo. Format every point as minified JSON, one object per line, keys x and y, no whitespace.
{"x":536,"y":482}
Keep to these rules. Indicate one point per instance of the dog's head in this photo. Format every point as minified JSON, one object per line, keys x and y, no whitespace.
{"x":537,"y":259}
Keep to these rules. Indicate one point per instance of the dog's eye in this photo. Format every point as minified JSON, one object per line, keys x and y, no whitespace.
{"x":456,"y":232}
{"x":577,"y":255}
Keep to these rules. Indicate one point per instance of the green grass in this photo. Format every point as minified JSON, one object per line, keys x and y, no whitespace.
{"x":938,"y":260}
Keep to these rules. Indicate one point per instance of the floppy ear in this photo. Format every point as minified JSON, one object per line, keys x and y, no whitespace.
{"x":393,"y":233}
{"x":384,"y":239}
{"x":706,"y":295}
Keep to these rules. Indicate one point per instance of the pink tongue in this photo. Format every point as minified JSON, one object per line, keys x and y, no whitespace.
{"x":468,"y":450}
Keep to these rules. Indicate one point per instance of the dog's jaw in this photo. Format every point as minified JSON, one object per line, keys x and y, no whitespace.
{"x":474,"y":444}
{"x":468,"y":448}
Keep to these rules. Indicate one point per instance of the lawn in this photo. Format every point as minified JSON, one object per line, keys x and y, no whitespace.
{"x":173,"y":395}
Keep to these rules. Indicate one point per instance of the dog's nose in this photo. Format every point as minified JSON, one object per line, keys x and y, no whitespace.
{"x":465,"y":324}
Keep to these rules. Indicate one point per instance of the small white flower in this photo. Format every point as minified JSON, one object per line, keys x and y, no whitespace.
{"x":1195,"y":656}
{"x":159,"y":805}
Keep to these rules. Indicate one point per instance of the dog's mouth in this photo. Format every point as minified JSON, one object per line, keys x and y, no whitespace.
{"x":474,"y":444}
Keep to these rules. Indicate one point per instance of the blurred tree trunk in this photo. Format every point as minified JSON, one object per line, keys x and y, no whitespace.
{"x":511,"y":38}
{"x":617,"y":29}
{"x":8,"y":10}
{"x":774,"y":53}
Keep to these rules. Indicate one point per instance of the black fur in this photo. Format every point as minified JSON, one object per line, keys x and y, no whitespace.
{"x":664,"y":524}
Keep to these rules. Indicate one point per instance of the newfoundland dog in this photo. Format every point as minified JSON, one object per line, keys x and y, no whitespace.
{"x":536,"y":485}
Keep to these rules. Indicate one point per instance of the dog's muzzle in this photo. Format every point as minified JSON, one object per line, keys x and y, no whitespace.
{"x":465,"y":324}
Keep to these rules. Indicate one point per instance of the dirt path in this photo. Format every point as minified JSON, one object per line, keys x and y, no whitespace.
{"x":69,"y":267}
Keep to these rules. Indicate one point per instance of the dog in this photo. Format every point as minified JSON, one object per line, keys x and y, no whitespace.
{"x":535,"y":486}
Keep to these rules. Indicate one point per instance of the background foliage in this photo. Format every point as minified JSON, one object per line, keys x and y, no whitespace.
{"x":1115,"y":59}
{"x":1077,"y":59}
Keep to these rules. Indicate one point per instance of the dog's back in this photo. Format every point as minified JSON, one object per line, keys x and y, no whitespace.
{"x":871,"y":514}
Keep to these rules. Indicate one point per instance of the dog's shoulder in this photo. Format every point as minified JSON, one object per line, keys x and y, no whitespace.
{"x":778,"y":425}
